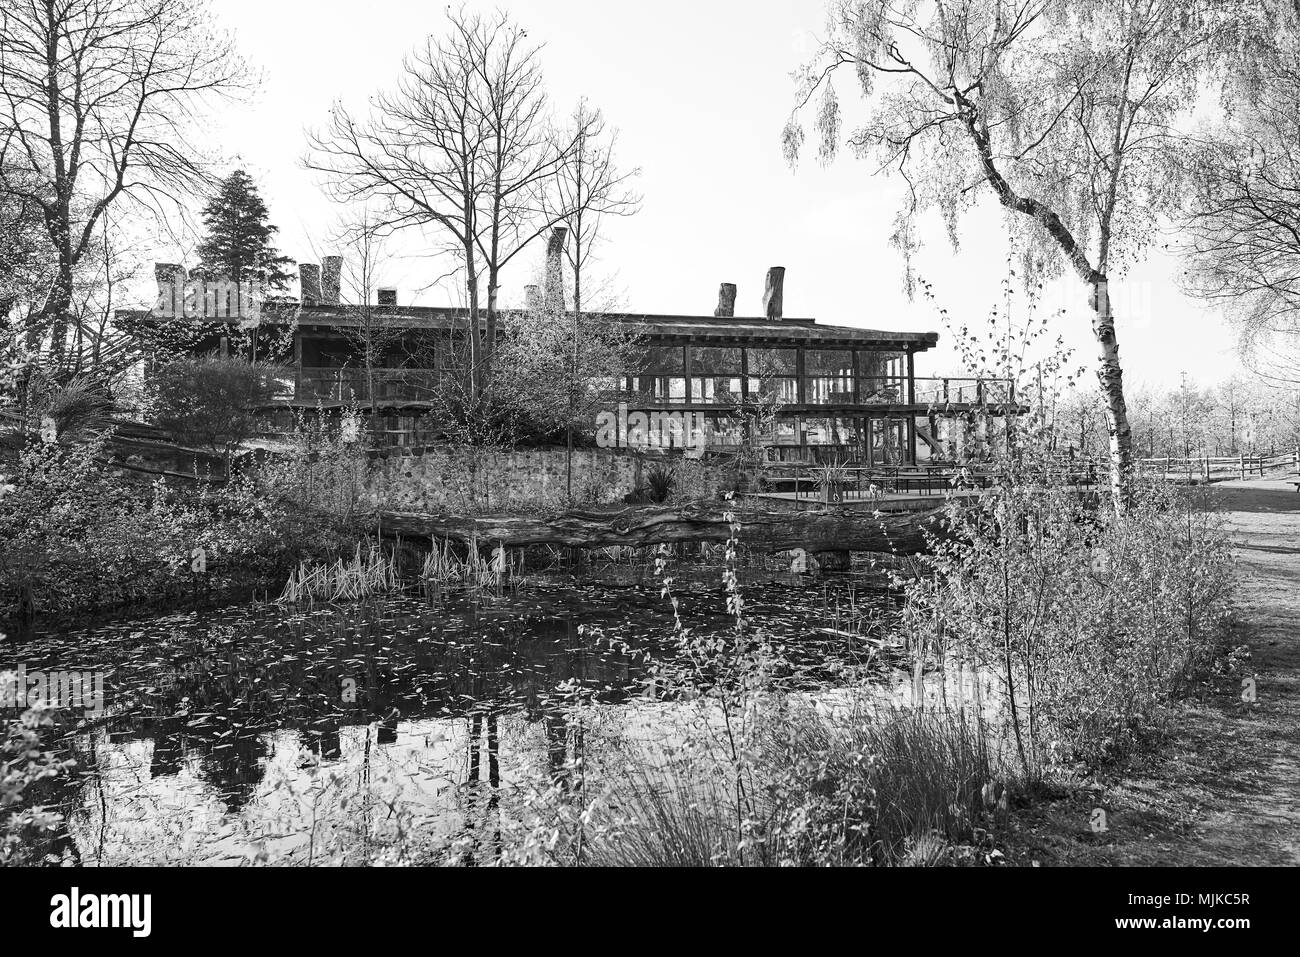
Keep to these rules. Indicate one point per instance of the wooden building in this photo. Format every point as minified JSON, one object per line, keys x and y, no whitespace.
{"x":830,"y":392}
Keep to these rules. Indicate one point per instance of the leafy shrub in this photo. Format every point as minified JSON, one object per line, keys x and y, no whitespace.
{"x":210,"y":402}
{"x":24,"y":763}
{"x":79,"y":537}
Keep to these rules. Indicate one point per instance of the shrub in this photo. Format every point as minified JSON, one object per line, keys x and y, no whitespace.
{"x":24,"y":763}
{"x":210,"y":402}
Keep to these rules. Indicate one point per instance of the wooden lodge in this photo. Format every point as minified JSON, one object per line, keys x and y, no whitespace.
{"x":835,"y":393}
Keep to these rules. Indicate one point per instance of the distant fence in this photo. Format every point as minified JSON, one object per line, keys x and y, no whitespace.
{"x":807,"y":481}
{"x":1210,"y":467}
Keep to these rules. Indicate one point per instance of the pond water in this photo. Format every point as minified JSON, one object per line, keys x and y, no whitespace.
{"x":306,"y":735}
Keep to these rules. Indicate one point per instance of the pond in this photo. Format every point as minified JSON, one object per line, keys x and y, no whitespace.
{"x":310,"y":734}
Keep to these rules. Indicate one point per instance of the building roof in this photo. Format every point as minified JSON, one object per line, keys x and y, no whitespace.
{"x":687,"y":328}
{"x":775,"y":332}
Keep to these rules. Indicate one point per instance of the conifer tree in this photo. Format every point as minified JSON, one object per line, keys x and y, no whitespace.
{"x":239,"y":242}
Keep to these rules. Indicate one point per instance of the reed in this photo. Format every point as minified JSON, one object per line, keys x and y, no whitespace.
{"x":370,"y":573}
{"x":444,"y":566}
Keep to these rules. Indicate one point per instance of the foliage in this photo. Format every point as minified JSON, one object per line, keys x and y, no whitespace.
{"x":23,"y":763}
{"x":239,"y":242}
{"x":318,"y":467}
{"x":1069,"y":114}
{"x":553,"y":369}
{"x":1092,"y":621}
{"x":79,"y":408}
{"x":104,"y":98}
{"x":211,"y":402}
{"x":80,"y":537}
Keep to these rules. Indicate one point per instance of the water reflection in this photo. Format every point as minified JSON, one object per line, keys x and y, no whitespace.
{"x":329,"y":733}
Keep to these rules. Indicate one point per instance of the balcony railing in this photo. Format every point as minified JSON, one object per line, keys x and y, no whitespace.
{"x":978,"y":391}
{"x":725,"y":390}
{"x":347,"y":383}
{"x":344,"y":384}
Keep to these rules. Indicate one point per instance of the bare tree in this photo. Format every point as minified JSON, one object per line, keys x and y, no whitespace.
{"x":462,"y":146}
{"x":370,"y":331}
{"x":1242,"y":222}
{"x":587,"y":187}
{"x":1067,"y":113}
{"x":97,"y":99}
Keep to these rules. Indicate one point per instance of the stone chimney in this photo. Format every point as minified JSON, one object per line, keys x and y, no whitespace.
{"x":533,"y":298}
{"x":555,"y":269}
{"x":726,"y":301}
{"x":331,"y":275}
{"x":309,"y":284}
{"x":386,"y":297}
{"x":773,"y":291}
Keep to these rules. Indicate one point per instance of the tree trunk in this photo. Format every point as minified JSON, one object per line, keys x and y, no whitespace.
{"x":471,"y":289}
{"x":830,"y":531}
{"x":1111,"y":378}
{"x":490,"y":342}
{"x":54,"y":314}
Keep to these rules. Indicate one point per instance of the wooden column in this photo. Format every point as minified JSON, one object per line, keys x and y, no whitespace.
{"x":911,"y":400}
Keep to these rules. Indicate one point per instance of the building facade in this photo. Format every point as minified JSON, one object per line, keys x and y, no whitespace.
{"x":815,"y":392}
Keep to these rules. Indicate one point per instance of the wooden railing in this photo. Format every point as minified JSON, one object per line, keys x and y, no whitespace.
{"x":847,"y":483}
{"x":343,"y":384}
{"x":1207,"y":467}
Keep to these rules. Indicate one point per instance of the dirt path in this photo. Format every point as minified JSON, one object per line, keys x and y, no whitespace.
{"x":1227,"y":788}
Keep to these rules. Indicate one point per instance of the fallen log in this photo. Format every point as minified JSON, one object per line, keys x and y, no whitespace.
{"x":821,"y":531}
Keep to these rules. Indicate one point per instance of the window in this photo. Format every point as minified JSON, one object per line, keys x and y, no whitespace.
{"x":664,"y":360}
{"x":838,"y":362}
{"x":831,"y":430}
{"x":713,"y":360}
{"x":766,"y":363}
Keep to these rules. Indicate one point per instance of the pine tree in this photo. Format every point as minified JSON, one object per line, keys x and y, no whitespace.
{"x":239,"y":244}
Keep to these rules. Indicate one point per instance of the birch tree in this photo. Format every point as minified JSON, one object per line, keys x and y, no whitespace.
{"x":1066,"y":114}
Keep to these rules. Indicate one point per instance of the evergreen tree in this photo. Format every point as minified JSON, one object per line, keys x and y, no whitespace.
{"x":239,"y":244}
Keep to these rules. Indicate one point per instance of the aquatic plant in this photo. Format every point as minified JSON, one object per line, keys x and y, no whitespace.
{"x":373,"y":573}
{"x":443,"y":565}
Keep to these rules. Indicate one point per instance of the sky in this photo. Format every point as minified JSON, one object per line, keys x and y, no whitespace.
{"x":699,"y":91}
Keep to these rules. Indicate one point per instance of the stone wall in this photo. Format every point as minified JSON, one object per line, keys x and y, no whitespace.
{"x":438,"y":478}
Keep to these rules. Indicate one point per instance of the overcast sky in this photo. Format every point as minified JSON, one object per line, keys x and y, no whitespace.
{"x":699,"y":90}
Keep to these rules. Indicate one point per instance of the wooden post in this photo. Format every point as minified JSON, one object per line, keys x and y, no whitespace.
{"x":1241,"y":466}
{"x":911,"y":400}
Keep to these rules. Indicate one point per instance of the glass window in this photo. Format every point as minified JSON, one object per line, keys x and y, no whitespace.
{"x":720,"y":389}
{"x":828,"y":361}
{"x":828,"y":389}
{"x":664,"y":360}
{"x":782,"y":389}
{"x":661,"y":388}
{"x":713,"y":360}
{"x":771,"y":362}
{"x":830,"y":430}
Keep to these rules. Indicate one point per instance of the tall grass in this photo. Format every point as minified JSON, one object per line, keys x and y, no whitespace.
{"x":443,"y":565}
{"x":373,"y":572}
